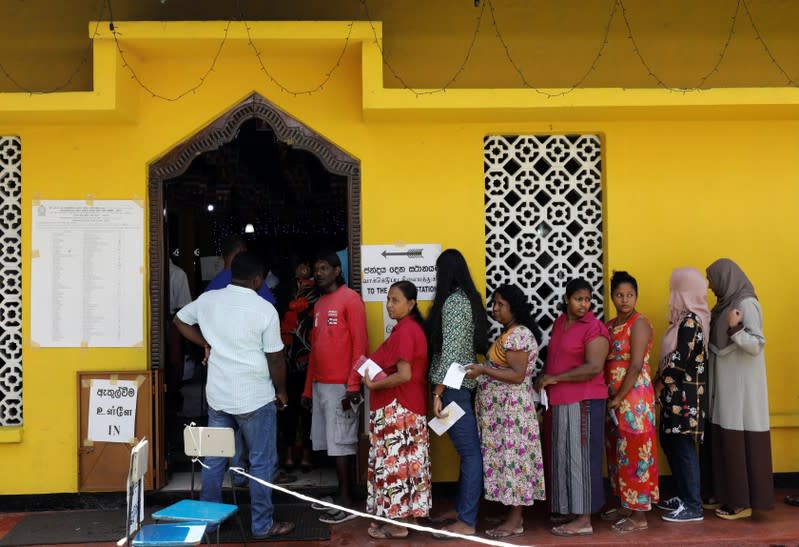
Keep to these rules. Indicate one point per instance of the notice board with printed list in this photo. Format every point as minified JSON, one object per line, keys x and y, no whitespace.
{"x":116,"y":411}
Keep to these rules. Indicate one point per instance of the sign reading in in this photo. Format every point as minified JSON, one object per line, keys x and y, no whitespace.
{"x":112,"y":410}
{"x":386,"y":264}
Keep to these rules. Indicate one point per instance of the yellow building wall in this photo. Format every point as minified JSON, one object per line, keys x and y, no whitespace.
{"x":677,"y":193}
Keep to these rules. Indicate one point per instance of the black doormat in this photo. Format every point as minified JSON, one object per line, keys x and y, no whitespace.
{"x":101,"y":526}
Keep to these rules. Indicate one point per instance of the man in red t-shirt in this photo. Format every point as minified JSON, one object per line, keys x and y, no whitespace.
{"x":332,"y":386}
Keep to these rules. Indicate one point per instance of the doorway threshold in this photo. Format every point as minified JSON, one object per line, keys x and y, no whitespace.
{"x":318,"y":478}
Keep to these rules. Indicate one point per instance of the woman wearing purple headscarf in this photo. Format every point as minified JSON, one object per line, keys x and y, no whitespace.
{"x":741,"y":442}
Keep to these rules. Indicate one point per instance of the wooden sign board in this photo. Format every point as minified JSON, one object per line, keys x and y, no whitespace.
{"x":103,"y":466}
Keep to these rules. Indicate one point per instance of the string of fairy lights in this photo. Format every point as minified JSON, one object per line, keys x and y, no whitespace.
{"x":401,"y":80}
{"x":75,"y":71}
{"x":155,"y":94}
{"x":617,"y":8}
{"x":658,"y":79}
{"x":586,"y":74}
{"x":763,"y":43}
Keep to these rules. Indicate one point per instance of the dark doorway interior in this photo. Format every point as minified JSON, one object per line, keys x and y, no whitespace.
{"x":294,"y":205}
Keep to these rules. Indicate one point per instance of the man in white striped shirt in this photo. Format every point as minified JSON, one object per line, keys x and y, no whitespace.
{"x":240,"y":332}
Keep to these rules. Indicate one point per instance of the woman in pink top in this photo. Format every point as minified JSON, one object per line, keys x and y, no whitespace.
{"x":575,"y":383}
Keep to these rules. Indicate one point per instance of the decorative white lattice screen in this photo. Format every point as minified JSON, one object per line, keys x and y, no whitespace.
{"x":10,"y":282}
{"x":543,"y":214}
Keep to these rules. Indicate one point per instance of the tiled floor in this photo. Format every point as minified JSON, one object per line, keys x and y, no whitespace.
{"x":777,"y":527}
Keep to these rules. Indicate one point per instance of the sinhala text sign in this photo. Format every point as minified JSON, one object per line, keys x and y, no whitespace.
{"x":386,"y":264}
{"x":112,"y":410}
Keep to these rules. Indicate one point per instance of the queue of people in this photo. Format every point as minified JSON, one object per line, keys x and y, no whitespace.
{"x":602,"y":391}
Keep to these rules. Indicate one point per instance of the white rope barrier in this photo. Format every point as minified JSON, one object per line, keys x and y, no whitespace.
{"x":454,"y":535}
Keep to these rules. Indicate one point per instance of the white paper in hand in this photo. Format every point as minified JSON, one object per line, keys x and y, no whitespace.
{"x":371,"y":368}
{"x":541,"y":397}
{"x":454,"y":376}
{"x":452,"y":413}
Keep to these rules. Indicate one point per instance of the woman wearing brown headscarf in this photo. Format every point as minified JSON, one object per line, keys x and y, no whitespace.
{"x":741,"y":443}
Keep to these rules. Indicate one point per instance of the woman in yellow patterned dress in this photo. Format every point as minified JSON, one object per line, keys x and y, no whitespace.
{"x":630,"y":432}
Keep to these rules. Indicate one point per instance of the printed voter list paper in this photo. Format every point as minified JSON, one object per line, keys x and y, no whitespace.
{"x":454,"y":376}
{"x":452,"y":413}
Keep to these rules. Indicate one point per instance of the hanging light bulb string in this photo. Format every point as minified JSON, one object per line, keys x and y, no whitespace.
{"x":652,"y":74}
{"x":400,"y":79}
{"x":155,"y":94}
{"x":617,"y":6}
{"x":75,"y":71}
{"x":327,"y":76}
{"x":760,"y":39}
{"x":592,"y":67}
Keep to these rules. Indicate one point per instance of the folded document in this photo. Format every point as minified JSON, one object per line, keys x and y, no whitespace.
{"x":452,"y":413}
{"x":454,"y":376}
{"x":371,"y":368}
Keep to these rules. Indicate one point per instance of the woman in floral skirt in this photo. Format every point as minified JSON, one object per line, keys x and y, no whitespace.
{"x":513,"y":469}
{"x":398,"y":478}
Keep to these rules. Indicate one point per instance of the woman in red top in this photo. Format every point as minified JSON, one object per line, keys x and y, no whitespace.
{"x":573,"y":376}
{"x":398,"y":478}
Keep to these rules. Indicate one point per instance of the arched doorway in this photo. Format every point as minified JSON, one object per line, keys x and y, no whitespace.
{"x":221,"y":132}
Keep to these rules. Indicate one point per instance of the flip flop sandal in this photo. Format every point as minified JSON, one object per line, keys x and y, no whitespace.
{"x":625,"y":526}
{"x":728,"y":514}
{"x":381,"y":532}
{"x":505,"y":533}
{"x":562,"y":531}
{"x":557,"y":518}
{"x":614,"y":514}
{"x":438,"y":535}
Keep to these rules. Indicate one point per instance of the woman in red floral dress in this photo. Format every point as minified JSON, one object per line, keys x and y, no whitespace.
{"x":630,"y":432}
{"x":398,"y":478}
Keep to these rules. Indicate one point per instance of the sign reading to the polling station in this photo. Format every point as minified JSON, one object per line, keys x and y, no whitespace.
{"x":112,"y":411}
{"x":386,"y":264}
